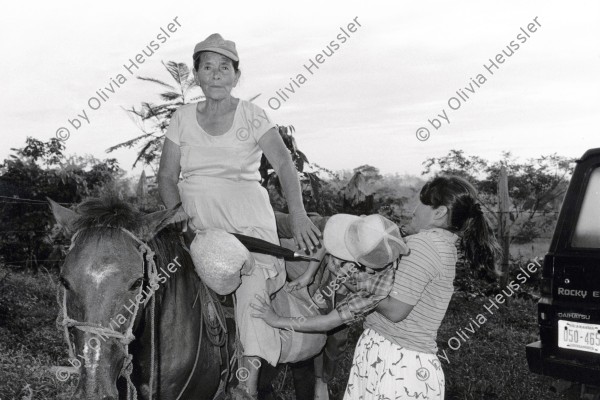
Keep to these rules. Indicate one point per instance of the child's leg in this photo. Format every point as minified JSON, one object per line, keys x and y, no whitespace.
{"x":321,"y":386}
{"x":304,"y":377}
{"x":334,"y":350}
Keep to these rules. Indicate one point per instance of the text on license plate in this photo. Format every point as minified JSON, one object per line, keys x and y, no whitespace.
{"x":579,"y":336}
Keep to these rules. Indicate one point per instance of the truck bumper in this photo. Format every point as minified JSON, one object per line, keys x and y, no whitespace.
{"x":570,"y":370}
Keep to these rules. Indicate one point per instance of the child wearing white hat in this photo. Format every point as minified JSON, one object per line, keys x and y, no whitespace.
{"x":364,"y":254}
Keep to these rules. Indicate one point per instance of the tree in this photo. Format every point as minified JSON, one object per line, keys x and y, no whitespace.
{"x":369,"y":172}
{"x":158,"y":116}
{"x":456,"y":163}
{"x":536,"y":187}
{"x":311,"y":184}
{"x":358,"y":193}
{"x":27,"y":177}
{"x":368,"y":192}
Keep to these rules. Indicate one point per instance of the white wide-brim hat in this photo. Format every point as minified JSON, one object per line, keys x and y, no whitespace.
{"x":373,"y":240}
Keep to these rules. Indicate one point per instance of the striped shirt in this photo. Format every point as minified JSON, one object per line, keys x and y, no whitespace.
{"x":424,"y":279}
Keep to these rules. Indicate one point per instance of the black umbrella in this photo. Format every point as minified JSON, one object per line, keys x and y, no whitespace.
{"x":262,"y":246}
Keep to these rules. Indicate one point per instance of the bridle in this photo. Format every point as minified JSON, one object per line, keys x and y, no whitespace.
{"x":149,"y":266}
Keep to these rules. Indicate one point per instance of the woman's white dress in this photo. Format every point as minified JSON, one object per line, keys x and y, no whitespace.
{"x":220,"y":189}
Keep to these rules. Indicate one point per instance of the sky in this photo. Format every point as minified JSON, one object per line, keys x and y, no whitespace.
{"x":365,"y":104}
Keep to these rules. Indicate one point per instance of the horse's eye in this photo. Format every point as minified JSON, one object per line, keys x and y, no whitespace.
{"x":137,"y":284}
{"x":64,"y":283}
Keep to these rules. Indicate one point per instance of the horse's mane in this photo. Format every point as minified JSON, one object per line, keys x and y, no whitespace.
{"x":99,"y":216}
{"x":107,"y":212}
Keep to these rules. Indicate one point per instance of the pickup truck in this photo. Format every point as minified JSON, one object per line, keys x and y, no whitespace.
{"x":569,"y":308}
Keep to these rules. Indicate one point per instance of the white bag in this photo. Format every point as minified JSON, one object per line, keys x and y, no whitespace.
{"x":220,"y":260}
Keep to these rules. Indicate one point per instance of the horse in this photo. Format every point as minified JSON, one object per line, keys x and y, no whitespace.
{"x":133,"y":307}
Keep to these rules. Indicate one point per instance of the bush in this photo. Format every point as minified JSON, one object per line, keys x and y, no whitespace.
{"x":528,"y":232}
{"x":27,"y":177}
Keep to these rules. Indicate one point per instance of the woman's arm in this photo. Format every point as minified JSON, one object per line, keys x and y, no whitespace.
{"x":168,"y":174}
{"x":394,"y":310}
{"x":168,"y":177}
{"x":317,"y":323}
{"x":305,"y":232}
{"x":415,"y":271}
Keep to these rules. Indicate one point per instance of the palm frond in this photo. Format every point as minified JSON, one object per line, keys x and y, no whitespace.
{"x":142,"y":154}
{"x":302,"y":156}
{"x":184,"y":71}
{"x":179,"y":71}
{"x":137,"y":120}
{"x":143,"y":78}
{"x":189,"y":84}
{"x":170,"y":96}
{"x":150,"y":110}
{"x":129,"y":143}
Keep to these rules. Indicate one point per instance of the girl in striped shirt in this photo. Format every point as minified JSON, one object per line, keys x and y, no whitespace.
{"x":395,"y":357}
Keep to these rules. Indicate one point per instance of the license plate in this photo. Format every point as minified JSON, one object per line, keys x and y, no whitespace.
{"x":579,"y":336}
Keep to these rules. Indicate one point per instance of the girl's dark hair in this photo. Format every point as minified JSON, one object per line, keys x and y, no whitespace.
{"x":196,"y":58}
{"x":464,"y":218}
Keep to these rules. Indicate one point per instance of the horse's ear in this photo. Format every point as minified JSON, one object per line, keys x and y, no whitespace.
{"x":64,"y":217}
{"x":156,"y":221}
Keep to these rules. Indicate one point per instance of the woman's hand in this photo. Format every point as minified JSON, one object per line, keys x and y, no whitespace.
{"x":180,"y":220}
{"x":301,"y":282}
{"x":266,"y":312}
{"x":306,"y":234}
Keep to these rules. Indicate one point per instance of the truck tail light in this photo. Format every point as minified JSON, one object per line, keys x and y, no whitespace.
{"x":546,"y":286}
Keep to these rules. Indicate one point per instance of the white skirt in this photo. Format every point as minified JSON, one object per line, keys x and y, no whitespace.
{"x":382,"y":370}
{"x":241,"y":207}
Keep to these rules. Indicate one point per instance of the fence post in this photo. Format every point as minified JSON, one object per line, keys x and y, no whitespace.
{"x":503,"y":226}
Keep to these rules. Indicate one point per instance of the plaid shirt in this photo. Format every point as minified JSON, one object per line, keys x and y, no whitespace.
{"x":371,"y":288}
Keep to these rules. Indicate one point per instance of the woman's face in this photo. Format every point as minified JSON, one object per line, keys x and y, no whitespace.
{"x":216,"y":75}
{"x":426,"y":217}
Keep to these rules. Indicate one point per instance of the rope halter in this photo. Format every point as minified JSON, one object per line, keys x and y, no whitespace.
{"x":124,"y":338}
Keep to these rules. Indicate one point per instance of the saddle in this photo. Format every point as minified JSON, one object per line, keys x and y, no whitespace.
{"x":220,"y":316}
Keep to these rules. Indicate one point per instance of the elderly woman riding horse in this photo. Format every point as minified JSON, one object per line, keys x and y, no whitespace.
{"x":216,"y":145}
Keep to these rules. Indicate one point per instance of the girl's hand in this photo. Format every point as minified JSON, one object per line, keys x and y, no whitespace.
{"x":265,"y":312}
{"x":302,"y":281}
{"x":306,"y":234}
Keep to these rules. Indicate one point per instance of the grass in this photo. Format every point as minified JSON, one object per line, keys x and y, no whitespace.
{"x":489,"y":365}
{"x":30,"y":342}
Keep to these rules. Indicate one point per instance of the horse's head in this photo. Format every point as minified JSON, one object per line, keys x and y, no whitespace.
{"x":102,"y":274}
